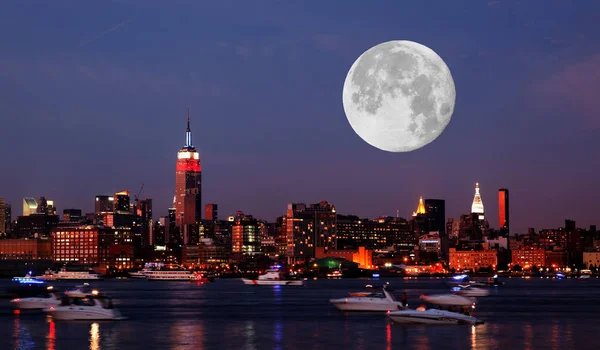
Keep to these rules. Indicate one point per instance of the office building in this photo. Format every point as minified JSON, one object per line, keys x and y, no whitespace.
{"x":477,"y":206}
{"x":503,"y":212}
{"x":122,"y":202}
{"x":30,"y":206}
{"x":211,"y":212}
{"x":104,"y":204}
{"x":2,"y":217}
{"x":73,"y":215}
{"x":188,"y":183}
{"x":94,"y":246}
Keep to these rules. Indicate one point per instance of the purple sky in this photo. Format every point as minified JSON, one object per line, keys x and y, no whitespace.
{"x":94,"y":96}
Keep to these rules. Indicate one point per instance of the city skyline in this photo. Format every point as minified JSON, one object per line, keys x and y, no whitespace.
{"x":266,"y":95}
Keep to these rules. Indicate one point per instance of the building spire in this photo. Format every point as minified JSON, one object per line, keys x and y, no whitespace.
{"x":188,"y":132}
{"x":420,"y":207}
{"x":477,"y":207}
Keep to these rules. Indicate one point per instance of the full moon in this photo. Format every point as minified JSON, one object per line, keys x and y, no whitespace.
{"x":399,"y":96}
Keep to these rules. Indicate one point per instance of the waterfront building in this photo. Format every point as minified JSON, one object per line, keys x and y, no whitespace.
{"x":25,"y":249}
{"x":472,"y":259}
{"x":246,"y":235}
{"x":308,"y":227}
{"x":591,"y":258}
{"x":362,"y":256}
{"x":94,"y":246}
{"x":529,"y":257}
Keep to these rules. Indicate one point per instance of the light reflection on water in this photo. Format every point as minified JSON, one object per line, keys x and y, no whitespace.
{"x":95,"y":336}
{"x":186,"y":334}
{"x":249,"y":335}
{"x":21,"y":335}
{"x":51,"y":337}
{"x":278,"y":334}
{"x":227,"y":315}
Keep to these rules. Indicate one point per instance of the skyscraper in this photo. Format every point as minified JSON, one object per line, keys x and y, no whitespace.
{"x":477,"y":206}
{"x":503,"y":212}
{"x":2,"y":216}
{"x":104,"y":204}
{"x":30,"y":206}
{"x":122,"y":202}
{"x":188,"y":183}
{"x":211,"y":212}
{"x":435,"y":210}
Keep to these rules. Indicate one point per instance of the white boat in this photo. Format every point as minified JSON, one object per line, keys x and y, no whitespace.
{"x":447,"y":309}
{"x":470,"y":291}
{"x":48,"y":275}
{"x":89,"y":307}
{"x":80,"y":291}
{"x":273,"y":277}
{"x":384,"y":301}
{"x":172,"y":273}
{"x":42,"y":301}
{"x":335,"y":274}
{"x":138,"y":274}
{"x":63,"y":274}
{"x":149,"y":266}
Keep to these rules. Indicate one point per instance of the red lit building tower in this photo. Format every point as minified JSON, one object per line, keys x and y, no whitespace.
{"x":188,"y":184}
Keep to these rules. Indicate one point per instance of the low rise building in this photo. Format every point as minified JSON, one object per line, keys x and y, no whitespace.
{"x":25,"y":249}
{"x":362,"y":256}
{"x":472,"y":259}
{"x":528,"y":257}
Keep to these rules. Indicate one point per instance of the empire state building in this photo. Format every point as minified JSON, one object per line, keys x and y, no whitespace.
{"x":188,"y":183}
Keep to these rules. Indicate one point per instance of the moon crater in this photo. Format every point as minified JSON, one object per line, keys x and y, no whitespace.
{"x":399,"y":96}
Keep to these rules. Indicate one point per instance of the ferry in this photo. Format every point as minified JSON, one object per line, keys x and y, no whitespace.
{"x":173,"y":273}
{"x":63,"y":274}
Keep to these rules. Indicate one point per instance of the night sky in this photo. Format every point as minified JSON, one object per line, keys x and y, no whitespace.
{"x":94,"y":96}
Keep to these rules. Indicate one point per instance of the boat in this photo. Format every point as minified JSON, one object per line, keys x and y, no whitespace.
{"x":149,"y":266}
{"x":170,"y":273}
{"x":48,"y":275}
{"x":471,"y":291}
{"x":63,"y":274}
{"x":44,"y":300}
{"x":273,"y":277}
{"x":377,"y":302}
{"x":199,"y":277}
{"x":80,"y":290}
{"x":369,"y":289}
{"x":92,"y":306}
{"x":585,"y":275}
{"x":25,"y":287}
{"x":445,"y":309}
{"x":334,"y":274}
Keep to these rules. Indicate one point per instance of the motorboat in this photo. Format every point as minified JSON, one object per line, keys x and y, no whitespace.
{"x":199,"y":277}
{"x":378,"y":302}
{"x":335,"y":274}
{"x":369,"y":289}
{"x":45,"y":300}
{"x":273,"y":277}
{"x":445,"y":309}
{"x":80,"y":290}
{"x":26,"y":287}
{"x":471,"y":291}
{"x":93,"y":306}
